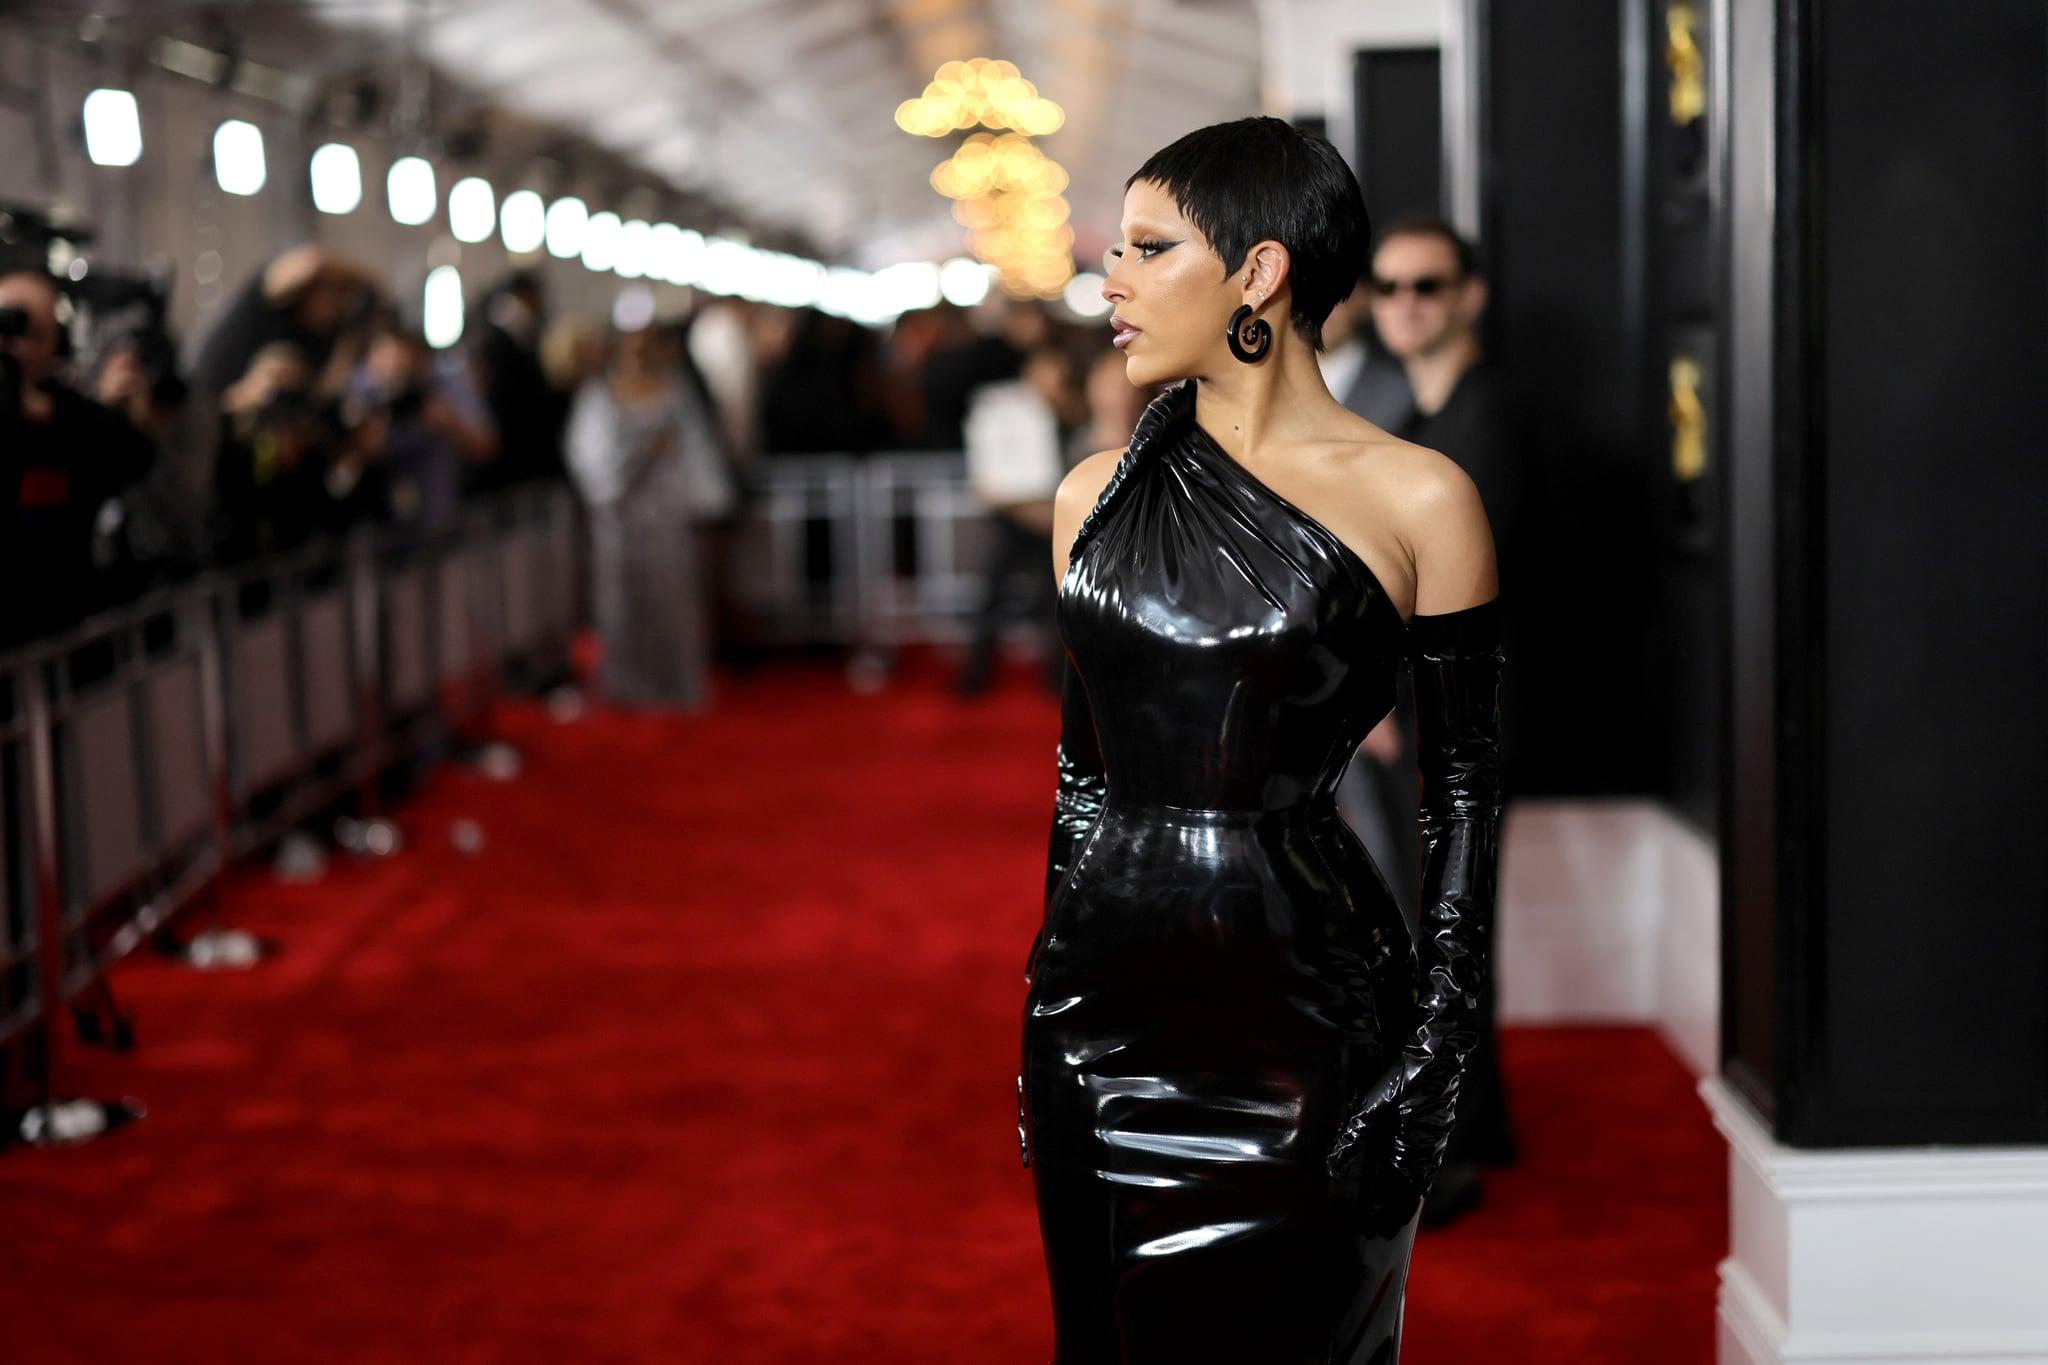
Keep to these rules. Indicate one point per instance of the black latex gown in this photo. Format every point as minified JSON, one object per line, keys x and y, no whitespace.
{"x":1222,"y":970}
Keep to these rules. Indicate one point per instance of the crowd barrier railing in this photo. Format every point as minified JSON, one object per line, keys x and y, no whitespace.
{"x":145,"y":749}
{"x":875,"y":551}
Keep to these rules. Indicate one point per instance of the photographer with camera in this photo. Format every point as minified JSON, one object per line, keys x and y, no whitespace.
{"x":439,"y":432}
{"x":310,"y":297}
{"x":291,"y":467}
{"x":64,"y":462}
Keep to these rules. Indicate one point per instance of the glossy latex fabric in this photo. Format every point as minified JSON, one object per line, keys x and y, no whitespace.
{"x":1236,"y":1073}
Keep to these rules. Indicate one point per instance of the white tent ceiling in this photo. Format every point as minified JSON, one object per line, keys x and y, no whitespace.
{"x":784,"y":109}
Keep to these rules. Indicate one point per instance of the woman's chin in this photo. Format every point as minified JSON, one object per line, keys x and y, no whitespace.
{"x":1146,"y":372}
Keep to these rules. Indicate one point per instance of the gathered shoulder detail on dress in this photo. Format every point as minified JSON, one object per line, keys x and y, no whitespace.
{"x":1161,"y":416}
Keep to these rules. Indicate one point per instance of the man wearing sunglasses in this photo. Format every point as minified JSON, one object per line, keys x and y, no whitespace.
{"x":1426,"y":294}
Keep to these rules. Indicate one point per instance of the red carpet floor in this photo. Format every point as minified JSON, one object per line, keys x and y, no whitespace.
{"x":707,"y":1057}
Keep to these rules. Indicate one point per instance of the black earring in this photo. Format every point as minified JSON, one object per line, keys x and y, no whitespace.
{"x":1250,"y":338}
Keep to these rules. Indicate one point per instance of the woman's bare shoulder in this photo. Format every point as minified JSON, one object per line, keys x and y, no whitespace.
{"x":1079,"y":491}
{"x":1402,"y":507}
{"x":1430,"y":504}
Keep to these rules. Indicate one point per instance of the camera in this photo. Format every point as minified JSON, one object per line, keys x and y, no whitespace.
{"x":130,"y":311}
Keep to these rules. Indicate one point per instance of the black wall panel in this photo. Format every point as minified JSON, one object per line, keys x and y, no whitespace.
{"x":1928,"y":413}
{"x":1398,"y":93}
{"x":1554,"y":228}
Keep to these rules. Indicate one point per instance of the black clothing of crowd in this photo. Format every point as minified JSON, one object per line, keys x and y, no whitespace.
{"x":310,"y":410}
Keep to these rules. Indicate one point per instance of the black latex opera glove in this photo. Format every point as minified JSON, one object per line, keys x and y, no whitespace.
{"x":1082,"y":787}
{"x":1457,"y":663}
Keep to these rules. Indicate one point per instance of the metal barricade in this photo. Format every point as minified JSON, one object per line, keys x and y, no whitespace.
{"x":796,"y":554}
{"x":533,"y":581}
{"x":131,"y":760}
{"x":143,"y":749}
{"x":296,"y":638}
{"x":924,"y":540}
{"x":875,"y":552}
{"x":20,"y":998}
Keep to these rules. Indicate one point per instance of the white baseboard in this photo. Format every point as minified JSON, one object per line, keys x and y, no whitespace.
{"x":1916,"y":1256}
{"x":1610,"y":914}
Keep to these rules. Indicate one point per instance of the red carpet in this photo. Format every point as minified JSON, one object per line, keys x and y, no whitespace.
{"x":707,"y":1057}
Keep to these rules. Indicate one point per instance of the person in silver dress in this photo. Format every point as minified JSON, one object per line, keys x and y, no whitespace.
{"x":643,"y":451}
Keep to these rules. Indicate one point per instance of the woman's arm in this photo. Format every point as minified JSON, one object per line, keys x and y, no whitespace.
{"x":1455,"y":652}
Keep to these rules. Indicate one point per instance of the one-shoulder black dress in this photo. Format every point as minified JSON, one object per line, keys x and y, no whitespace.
{"x":1222,"y":968}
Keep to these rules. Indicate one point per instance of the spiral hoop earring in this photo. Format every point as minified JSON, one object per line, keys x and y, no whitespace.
{"x":1250,"y":338}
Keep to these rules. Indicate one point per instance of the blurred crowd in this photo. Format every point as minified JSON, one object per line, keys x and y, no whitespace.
{"x":313,"y":405}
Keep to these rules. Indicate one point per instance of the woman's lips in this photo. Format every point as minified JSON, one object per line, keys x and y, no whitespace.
{"x":1123,"y":332}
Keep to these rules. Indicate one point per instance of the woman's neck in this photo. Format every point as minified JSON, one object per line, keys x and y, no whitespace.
{"x":1253,"y":410}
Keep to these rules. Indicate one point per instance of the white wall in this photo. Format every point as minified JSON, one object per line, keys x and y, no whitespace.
{"x":1610,"y":914}
{"x":1309,"y":50}
{"x":1309,"y":46}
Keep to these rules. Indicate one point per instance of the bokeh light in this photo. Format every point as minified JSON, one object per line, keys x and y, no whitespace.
{"x":1006,"y":192}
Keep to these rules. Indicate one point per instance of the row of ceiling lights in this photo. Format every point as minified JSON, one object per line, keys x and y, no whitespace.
{"x":566,"y":229}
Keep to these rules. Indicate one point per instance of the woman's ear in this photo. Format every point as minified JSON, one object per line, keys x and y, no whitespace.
{"x":1264,"y":271}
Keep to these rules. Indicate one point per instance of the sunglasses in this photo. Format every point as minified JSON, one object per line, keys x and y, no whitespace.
{"x":1425,"y":286}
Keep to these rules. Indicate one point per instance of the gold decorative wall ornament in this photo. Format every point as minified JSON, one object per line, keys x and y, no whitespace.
{"x":1688,"y":66}
{"x":1688,"y":417}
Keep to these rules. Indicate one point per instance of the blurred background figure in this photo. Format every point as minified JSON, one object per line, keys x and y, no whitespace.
{"x":1114,"y":406}
{"x":823,"y":394}
{"x":528,"y":410}
{"x":1004,"y":331}
{"x":1360,"y":372}
{"x":312,"y":297}
{"x":288,"y":469}
{"x":643,"y":451}
{"x":1016,"y":435}
{"x":436,"y":427}
{"x":64,"y":462}
{"x":723,"y":348}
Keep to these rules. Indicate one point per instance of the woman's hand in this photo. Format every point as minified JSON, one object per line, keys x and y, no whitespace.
{"x":1368,"y":1146}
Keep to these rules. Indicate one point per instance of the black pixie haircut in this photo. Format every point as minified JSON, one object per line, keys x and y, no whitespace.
{"x":1256,"y":179}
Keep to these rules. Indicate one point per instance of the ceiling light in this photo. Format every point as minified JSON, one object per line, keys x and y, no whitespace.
{"x":113,"y":129}
{"x":601,"y":240}
{"x":568,"y":219}
{"x":410,"y":188}
{"x":907,"y":287}
{"x":633,"y":254}
{"x":238,"y":157}
{"x":963,"y":282}
{"x":1084,"y":295}
{"x":441,"y":307}
{"x":685,"y":257}
{"x":337,"y":179}
{"x":523,"y":221}
{"x":663,"y":241}
{"x":472,"y":209}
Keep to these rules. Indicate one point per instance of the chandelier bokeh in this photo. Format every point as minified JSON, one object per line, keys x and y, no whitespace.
{"x":990,"y":94}
{"x":1005,"y":191}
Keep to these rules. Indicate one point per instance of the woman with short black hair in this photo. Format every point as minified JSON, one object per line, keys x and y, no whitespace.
{"x":1239,"y":1071}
